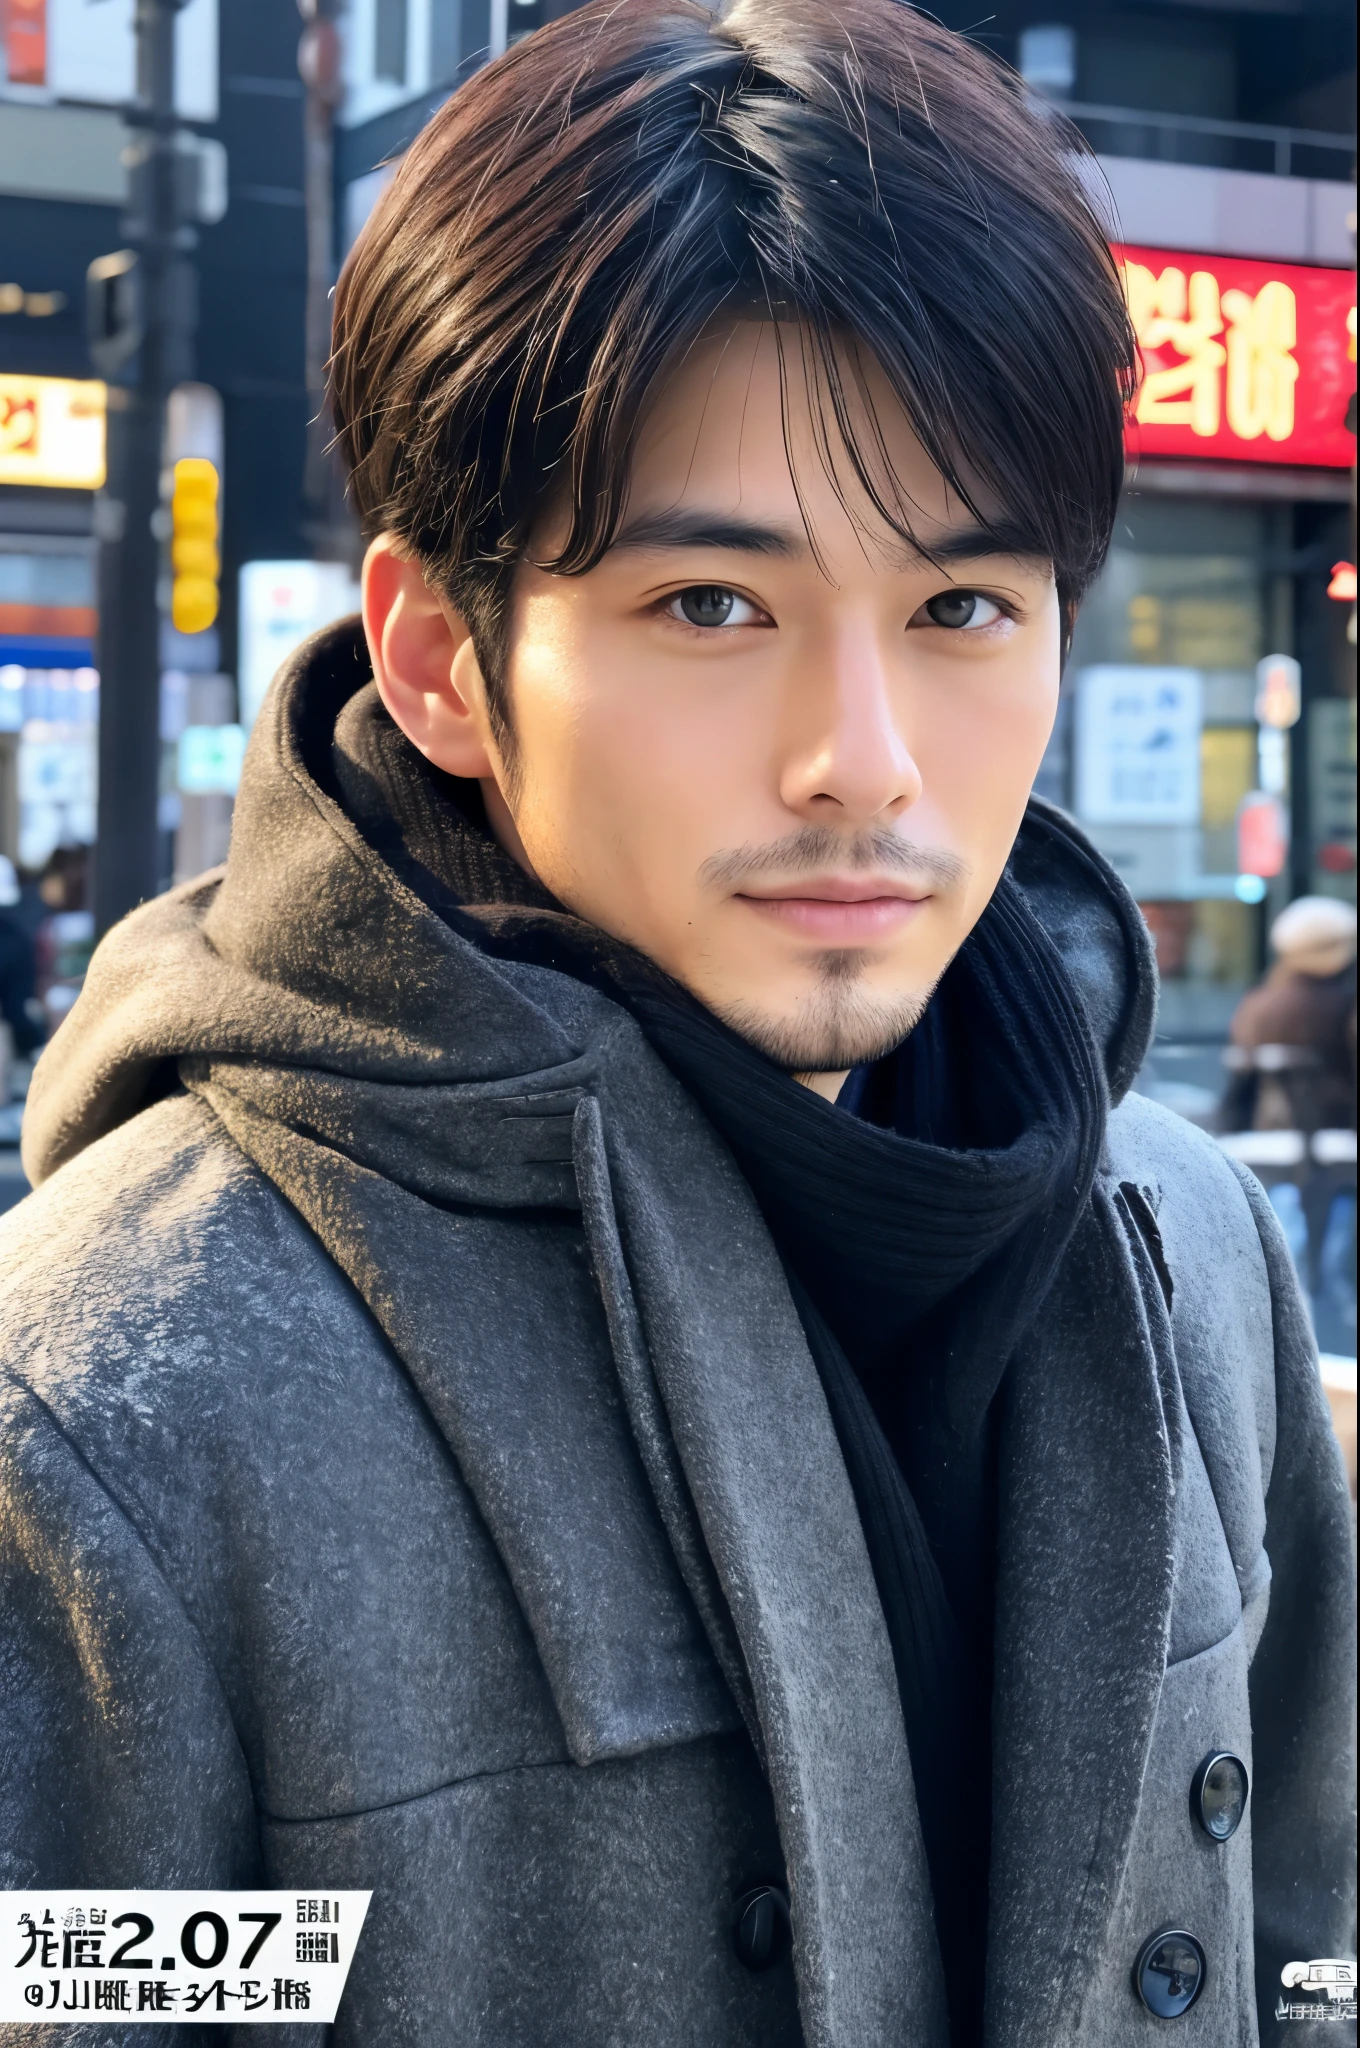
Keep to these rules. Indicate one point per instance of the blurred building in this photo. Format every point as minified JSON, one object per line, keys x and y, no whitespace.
{"x":64,"y":67}
{"x":1225,"y":146}
{"x":1226,"y":142}
{"x":402,"y":58}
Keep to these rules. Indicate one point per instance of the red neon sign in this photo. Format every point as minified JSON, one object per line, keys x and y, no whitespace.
{"x":24,"y":33}
{"x":1242,"y":361}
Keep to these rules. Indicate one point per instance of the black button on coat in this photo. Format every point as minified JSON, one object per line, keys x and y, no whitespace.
{"x":760,"y":1926}
{"x":1218,"y":1795}
{"x":1170,"y":1973}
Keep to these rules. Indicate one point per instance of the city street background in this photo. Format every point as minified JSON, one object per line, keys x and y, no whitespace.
{"x":178,"y":187}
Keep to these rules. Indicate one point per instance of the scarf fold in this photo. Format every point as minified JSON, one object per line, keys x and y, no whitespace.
{"x":921,"y":1222}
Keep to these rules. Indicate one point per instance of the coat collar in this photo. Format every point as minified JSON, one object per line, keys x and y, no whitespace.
{"x":1083,"y":1597}
{"x":729,"y":1425}
{"x":722,"y":1418}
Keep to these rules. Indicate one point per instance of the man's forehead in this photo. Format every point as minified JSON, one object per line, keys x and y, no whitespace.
{"x":756,"y":411}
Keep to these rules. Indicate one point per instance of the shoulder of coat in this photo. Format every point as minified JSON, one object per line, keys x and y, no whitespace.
{"x":1152,"y":1145}
{"x":143,"y":1246}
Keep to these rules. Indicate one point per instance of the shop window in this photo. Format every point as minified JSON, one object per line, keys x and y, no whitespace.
{"x":1204,"y":612}
{"x":446,"y":28}
{"x":63,"y":579}
{"x":1227,"y":756}
{"x":49,"y":723}
{"x":1223,"y":944}
{"x":523,"y":17}
{"x":45,"y":595}
{"x":1185,"y":588}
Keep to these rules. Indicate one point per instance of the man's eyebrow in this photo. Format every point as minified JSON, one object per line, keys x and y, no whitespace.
{"x":974,"y":543}
{"x":699,"y":529}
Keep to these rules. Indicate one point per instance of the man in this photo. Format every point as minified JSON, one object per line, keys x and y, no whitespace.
{"x":603,"y":1351}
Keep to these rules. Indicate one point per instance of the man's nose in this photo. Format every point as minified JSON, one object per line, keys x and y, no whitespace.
{"x":848,"y":760}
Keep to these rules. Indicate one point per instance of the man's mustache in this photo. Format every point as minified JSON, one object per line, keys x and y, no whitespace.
{"x":820,"y":849}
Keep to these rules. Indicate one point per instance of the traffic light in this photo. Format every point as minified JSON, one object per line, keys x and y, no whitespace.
{"x":195,"y":564}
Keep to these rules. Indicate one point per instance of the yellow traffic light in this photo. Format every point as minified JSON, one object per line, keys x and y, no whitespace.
{"x":194,"y":561}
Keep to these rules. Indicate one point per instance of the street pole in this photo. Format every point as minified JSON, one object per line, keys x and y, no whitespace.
{"x":156,"y":353}
{"x":319,"y":69}
{"x":329,"y":526}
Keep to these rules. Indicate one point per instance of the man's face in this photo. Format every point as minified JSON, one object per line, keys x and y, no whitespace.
{"x":788,"y":770}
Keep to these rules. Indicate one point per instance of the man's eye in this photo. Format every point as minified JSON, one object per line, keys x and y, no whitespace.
{"x":711,"y":604}
{"x":960,"y":608}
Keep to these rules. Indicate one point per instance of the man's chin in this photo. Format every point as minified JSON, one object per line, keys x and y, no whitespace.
{"x":838,"y":1024}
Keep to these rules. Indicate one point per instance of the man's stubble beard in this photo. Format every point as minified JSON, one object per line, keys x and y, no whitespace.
{"x":839,"y":1025}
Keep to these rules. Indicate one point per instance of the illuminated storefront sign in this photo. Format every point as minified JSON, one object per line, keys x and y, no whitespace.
{"x":1243,"y":361}
{"x":51,"y":432}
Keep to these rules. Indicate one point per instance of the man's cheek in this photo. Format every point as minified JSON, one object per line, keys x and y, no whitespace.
{"x":979,"y":772}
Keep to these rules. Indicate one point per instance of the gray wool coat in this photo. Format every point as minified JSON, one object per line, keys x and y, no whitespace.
{"x":413,"y":1476}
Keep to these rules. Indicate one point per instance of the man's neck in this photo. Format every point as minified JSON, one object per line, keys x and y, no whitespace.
{"x":826,"y":1085}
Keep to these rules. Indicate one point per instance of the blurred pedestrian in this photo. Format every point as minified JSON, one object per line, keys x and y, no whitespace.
{"x":1292,"y":1055}
{"x":63,"y":929}
{"x":1292,"y":1048}
{"x":18,"y":967}
{"x":64,"y":881}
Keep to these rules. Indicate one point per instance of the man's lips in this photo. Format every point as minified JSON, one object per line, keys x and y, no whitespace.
{"x":849,"y":911}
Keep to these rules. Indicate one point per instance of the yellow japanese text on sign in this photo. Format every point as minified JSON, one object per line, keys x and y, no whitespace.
{"x":1189,"y":315}
{"x":1242,"y":359}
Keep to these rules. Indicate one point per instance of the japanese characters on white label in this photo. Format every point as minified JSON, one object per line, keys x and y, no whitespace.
{"x":253,"y":1958}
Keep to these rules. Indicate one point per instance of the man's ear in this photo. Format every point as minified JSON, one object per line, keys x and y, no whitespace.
{"x":425,"y":665}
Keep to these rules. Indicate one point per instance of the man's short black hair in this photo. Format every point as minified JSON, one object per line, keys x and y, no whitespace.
{"x":580,"y":211}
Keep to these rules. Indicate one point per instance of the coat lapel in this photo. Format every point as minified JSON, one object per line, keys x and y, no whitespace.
{"x":495,"y":1320}
{"x":763,"y":1471}
{"x":1089,"y":1453}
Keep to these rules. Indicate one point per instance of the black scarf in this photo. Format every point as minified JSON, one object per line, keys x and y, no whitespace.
{"x":921,"y":1221}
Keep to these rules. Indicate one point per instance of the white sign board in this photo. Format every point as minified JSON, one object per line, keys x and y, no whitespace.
{"x":1138,"y":745}
{"x":1156,"y":863}
{"x":92,"y":55}
{"x":281,"y":603}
